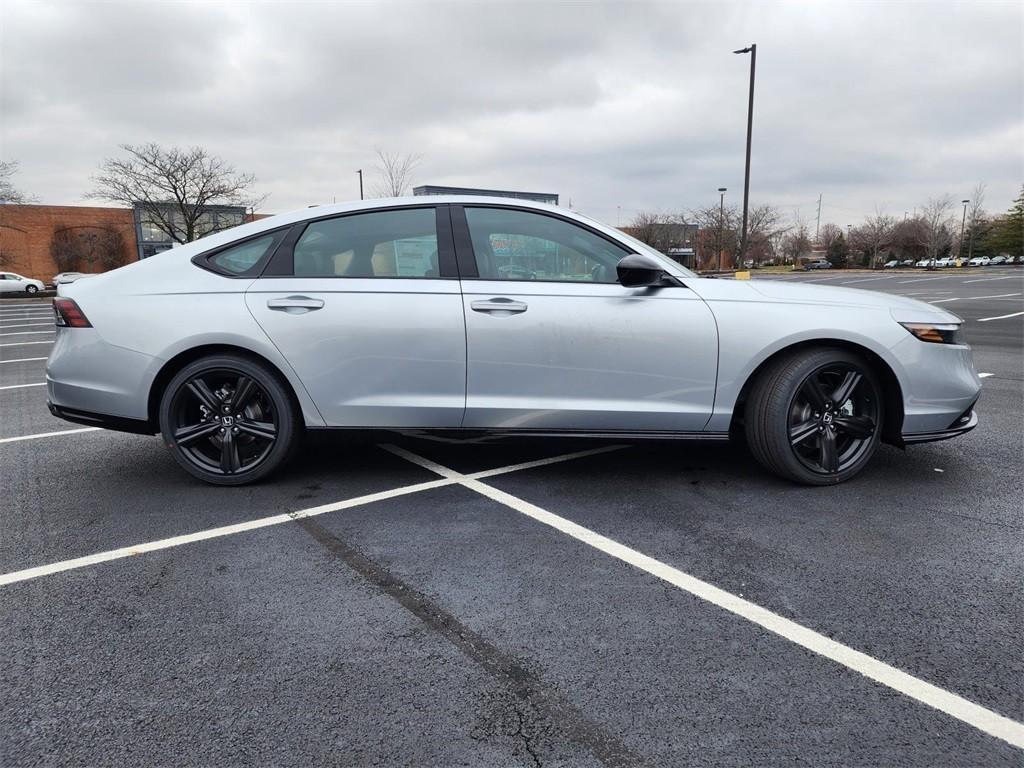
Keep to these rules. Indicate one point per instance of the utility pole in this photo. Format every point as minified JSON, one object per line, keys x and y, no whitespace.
{"x":752,"y":50}
{"x":960,"y":245}
{"x":360,"y":172}
{"x":817,"y":226}
{"x":721,"y":224}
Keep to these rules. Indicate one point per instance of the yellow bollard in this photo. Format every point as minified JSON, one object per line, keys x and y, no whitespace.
{"x":742,"y":275}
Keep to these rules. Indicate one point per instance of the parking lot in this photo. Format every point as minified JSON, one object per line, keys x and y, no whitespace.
{"x":516,"y":603}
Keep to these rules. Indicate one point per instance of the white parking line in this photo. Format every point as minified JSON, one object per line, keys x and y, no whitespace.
{"x":987,"y":279}
{"x":22,"y":386}
{"x":985,"y":375}
{"x":22,"y":360}
{"x":925,"y":279}
{"x":39,"y":435}
{"x":26,"y":325}
{"x":4,"y":306}
{"x":958,"y":707}
{"x":25,"y":343}
{"x":869,"y":279}
{"x":26,"y":333}
{"x":250,"y":525}
{"x":999,"y":317}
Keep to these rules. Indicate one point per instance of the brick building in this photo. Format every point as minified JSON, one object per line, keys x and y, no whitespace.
{"x":28,"y":231}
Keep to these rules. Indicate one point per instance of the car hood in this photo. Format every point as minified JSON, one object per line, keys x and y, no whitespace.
{"x":903,"y":308}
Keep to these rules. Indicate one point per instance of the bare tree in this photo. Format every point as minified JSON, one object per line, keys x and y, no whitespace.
{"x":797,"y":242}
{"x":8,"y":192}
{"x":828,"y":233}
{"x":976,"y":216}
{"x":937,"y":233}
{"x":87,"y":247}
{"x":764,"y":231}
{"x":720,"y":240}
{"x":174,"y":188}
{"x":395,"y":171}
{"x":873,"y":235}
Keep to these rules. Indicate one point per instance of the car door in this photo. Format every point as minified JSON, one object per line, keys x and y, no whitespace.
{"x":555,"y":343}
{"x":366,"y":308}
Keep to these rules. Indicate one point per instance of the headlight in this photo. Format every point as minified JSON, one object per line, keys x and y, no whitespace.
{"x":936,"y":333}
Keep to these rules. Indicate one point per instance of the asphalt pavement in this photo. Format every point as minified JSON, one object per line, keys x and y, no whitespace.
{"x":516,"y":603}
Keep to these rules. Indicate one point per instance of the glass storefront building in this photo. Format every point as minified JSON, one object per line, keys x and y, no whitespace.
{"x":152,"y":239}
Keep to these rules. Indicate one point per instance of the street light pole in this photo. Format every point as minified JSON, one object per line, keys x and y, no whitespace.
{"x":752,"y":50}
{"x":963,"y":221}
{"x":360,"y":172}
{"x":721,"y":224}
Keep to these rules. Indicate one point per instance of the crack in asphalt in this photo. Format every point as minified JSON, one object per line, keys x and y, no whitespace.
{"x":522,"y":683}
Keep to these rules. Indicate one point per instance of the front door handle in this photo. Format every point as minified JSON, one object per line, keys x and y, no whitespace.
{"x":500,"y":306}
{"x":295,"y":305}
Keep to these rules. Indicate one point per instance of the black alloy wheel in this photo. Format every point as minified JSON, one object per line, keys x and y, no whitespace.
{"x":228,"y":420}
{"x":815,"y":416}
{"x":833,"y":418}
{"x":31,"y":289}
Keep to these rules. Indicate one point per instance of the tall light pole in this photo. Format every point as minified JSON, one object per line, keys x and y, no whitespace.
{"x":963,"y":221}
{"x":752,"y":50}
{"x":721,"y":224}
{"x":360,"y":172}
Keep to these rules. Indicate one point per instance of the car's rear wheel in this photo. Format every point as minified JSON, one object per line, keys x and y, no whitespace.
{"x":229,"y":420}
{"x":815,"y":416}
{"x":31,"y":289}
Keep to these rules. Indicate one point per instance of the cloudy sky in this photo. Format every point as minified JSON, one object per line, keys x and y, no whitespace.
{"x":617,"y":107}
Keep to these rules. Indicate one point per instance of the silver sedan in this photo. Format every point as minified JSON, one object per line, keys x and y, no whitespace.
{"x":469,"y":315}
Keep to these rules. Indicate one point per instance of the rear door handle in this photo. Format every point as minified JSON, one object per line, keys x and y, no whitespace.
{"x":295,"y":304}
{"x":499,"y":306}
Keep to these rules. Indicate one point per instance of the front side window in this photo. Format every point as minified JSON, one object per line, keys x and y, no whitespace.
{"x":244,"y":257}
{"x":378,"y":244}
{"x":522,"y":245}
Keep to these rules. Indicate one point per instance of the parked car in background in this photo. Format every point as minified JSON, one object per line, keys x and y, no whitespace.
{"x":64,"y":278}
{"x":907,"y":263}
{"x":891,"y":264}
{"x":979,"y":261}
{"x":818,"y":264}
{"x":398,"y":315}
{"x":12,"y":282}
{"x":997,"y":260}
{"x":946,"y":262}
{"x":925,"y":264}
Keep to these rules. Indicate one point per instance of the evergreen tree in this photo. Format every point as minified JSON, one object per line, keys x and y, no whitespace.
{"x":1007,"y":232}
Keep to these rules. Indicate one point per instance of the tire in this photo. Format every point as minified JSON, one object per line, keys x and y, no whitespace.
{"x":229,"y":420}
{"x":815,"y":416}
{"x":31,"y":289}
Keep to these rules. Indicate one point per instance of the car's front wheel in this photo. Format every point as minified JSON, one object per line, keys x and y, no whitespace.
{"x":31,"y":289}
{"x":815,"y":416}
{"x":229,"y":420}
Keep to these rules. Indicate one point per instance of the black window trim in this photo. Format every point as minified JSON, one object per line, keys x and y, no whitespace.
{"x":282,"y":264}
{"x":466,"y":256}
{"x":203,"y":260}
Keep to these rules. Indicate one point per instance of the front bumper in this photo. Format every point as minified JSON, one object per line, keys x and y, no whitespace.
{"x":964,"y":424}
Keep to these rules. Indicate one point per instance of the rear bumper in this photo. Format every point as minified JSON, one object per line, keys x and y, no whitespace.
{"x":965,"y":423}
{"x":102,"y":420}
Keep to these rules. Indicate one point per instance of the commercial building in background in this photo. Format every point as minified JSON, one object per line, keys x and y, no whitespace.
{"x":30,"y":234}
{"x":676,"y":240}
{"x":151,"y":240}
{"x":537,"y":197}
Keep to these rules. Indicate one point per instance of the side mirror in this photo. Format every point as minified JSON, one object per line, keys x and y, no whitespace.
{"x":637,"y":271}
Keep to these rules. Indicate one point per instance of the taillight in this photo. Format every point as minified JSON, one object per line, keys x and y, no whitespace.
{"x":68,"y":314}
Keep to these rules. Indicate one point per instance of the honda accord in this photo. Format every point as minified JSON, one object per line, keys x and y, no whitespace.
{"x":470,"y":315}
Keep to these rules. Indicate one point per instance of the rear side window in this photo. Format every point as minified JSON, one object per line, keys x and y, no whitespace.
{"x":242,"y":258}
{"x":378,"y":244}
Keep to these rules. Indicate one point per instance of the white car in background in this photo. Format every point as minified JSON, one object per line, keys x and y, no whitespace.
{"x":64,"y":278}
{"x":946,"y":262}
{"x":924,"y":263}
{"x":979,"y":261}
{"x":12,"y":282}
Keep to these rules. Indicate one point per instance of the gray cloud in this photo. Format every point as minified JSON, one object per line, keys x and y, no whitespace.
{"x":610,"y":104}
